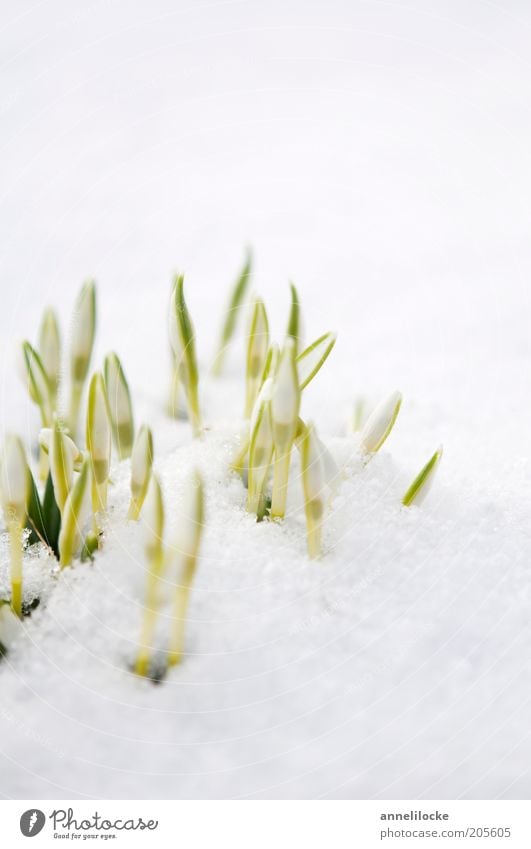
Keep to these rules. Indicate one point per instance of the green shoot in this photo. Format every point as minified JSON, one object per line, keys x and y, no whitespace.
{"x":257,"y":352}
{"x":313,"y":483}
{"x":49,"y":346}
{"x":183,"y":343}
{"x":189,"y":532}
{"x":294,"y":330}
{"x":14,"y":490}
{"x":141,"y":465}
{"x":313,"y":357}
{"x":153,"y":524}
{"x":98,"y":438}
{"x":120,"y":406}
{"x":260,"y":450}
{"x":231,"y":316}
{"x":422,"y":484}
{"x":75,"y":515}
{"x":82,"y":344}
{"x":285,"y":403}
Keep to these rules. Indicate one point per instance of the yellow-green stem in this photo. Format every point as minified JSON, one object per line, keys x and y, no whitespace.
{"x":15,"y":544}
{"x":176,"y":647}
{"x":150,"y":617}
{"x":280,"y":482}
{"x":75,"y":403}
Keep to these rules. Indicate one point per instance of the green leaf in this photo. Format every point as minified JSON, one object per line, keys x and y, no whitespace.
{"x":294,"y":322}
{"x":43,"y":519}
{"x":231,"y":316}
{"x":313,"y":357}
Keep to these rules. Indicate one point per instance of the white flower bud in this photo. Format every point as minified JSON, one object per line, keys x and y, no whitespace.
{"x":141,"y":465}
{"x":98,"y":429}
{"x":190,"y":520}
{"x":419,"y":489}
{"x":50,"y":347}
{"x":380,"y":423}
{"x":75,"y":515}
{"x":35,"y":377}
{"x":120,"y":406}
{"x":153,"y":522}
{"x":64,"y":456}
{"x":83,"y":332}
{"x":313,"y":482}
{"x":14,"y":480}
{"x":285,"y":400}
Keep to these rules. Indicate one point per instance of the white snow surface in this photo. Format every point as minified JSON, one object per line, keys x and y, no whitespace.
{"x":378,"y":155}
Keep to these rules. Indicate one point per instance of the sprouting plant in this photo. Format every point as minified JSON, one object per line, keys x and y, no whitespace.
{"x":14,"y":486}
{"x":231,"y":316}
{"x":76,"y":513}
{"x":183,"y":344}
{"x":257,"y":351}
{"x":422,"y":484}
{"x":189,"y":532}
{"x":98,"y":438}
{"x":358,"y":414}
{"x":120,"y":406}
{"x":49,"y":347}
{"x":294,"y":330}
{"x":64,"y":457}
{"x":380,"y":423}
{"x":285,"y":403}
{"x":153,"y":524}
{"x":313,"y":358}
{"x":141,"y":465}
{"x":10,"y":627}
{"x":82,"y":343}
{"x":313,"y":484}
{"x":260,"y":451}
{"x":36,"y":379}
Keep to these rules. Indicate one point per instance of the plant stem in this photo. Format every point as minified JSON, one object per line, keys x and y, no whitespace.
{"x":176,"y":647}
{"x":150,"y":617}
{"x":280,"y":482}
{"x":15,"y":544}
{"x":75,"y":403}
{"x":134,"y":510}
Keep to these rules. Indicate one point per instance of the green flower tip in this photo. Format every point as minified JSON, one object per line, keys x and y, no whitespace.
{"x":380,"y":423}
{"x":141,"y":466}
{"x":120,"y":405}
{"x":422,"y":484}
{"x":182,"y":340}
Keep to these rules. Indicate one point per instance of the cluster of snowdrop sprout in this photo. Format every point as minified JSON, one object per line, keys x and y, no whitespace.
{"x":65,"y":512}
{"x":176,"y":563}
{"x":275,"y":380}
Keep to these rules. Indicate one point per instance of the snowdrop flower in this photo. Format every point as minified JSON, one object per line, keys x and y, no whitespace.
{"x":82,"y":344}
{"x":260,"y":450}
{"x":98,"y":441}
{"x":313,"y":483}
{"x":75,"y":515}
{"x":294,"y":330}
{"x":231,"y":316}
{"x":380,"y":423}
{"x":10,"y":627}
{"x":141,"y":465}
{"x":120,"y":406}
{"x":14,"y":491}
{"x":285,"y":403}
{"x":422,"y":484}
{"x":310,"y":361}
{"x":257,"y":351}
{"x":50,"y":350}
{"x":153,"y":530}
{"x":64,"y":457}
{"x":183,"y":343}
{"x":36,"y":380}
{"x":189,"y":532}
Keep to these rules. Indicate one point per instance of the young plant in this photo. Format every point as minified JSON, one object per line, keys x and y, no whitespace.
{"x":120,"y":406}
{"x":260,"y":451}
{"x":257,"y":351}
{"x":98,"y":439}
{"x":422,"y":484}
{"x":313,"y":483}
{"x":141,"y":465}
{"x":183,"y":343}
{"x":49,"y":346}
{"x":82,"y":344}
{"x":153,"y":524}
{"x":231,"y":316}
{"x":380,"y":423}
{"x":294,"y":330}
{"x":64,"y":457}
{"x":14,"y":490}
{"x":76,"y":513}
{"x":310,"y":361}
{"x":36,"y":379}
{"x":189,"y":532}
{"x":285,"y":403}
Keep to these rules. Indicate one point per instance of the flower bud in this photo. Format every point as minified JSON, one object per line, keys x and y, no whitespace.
{"x":83,"y":332}
{"x":190,"y":520}
{"x":182,"y":340}
{"x":153,"y":523}
{"x":50,"y":348}
{"x":99,"y":440}
{"x":120,"y":406}
{"x":285,"y":400}
{"x":257,"y":350}
{"x":14,"y":481}
{"x":380,"y":423}
{"x":310,"y":361}
{"x":422,"y":484}
{"x":64,"y":457}
{"x":141,"y":465}
{"x":313,"y":482}
{"x":36,"y":380}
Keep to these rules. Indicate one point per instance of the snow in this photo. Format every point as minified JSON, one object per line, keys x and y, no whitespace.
{"x":378,"y":156}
